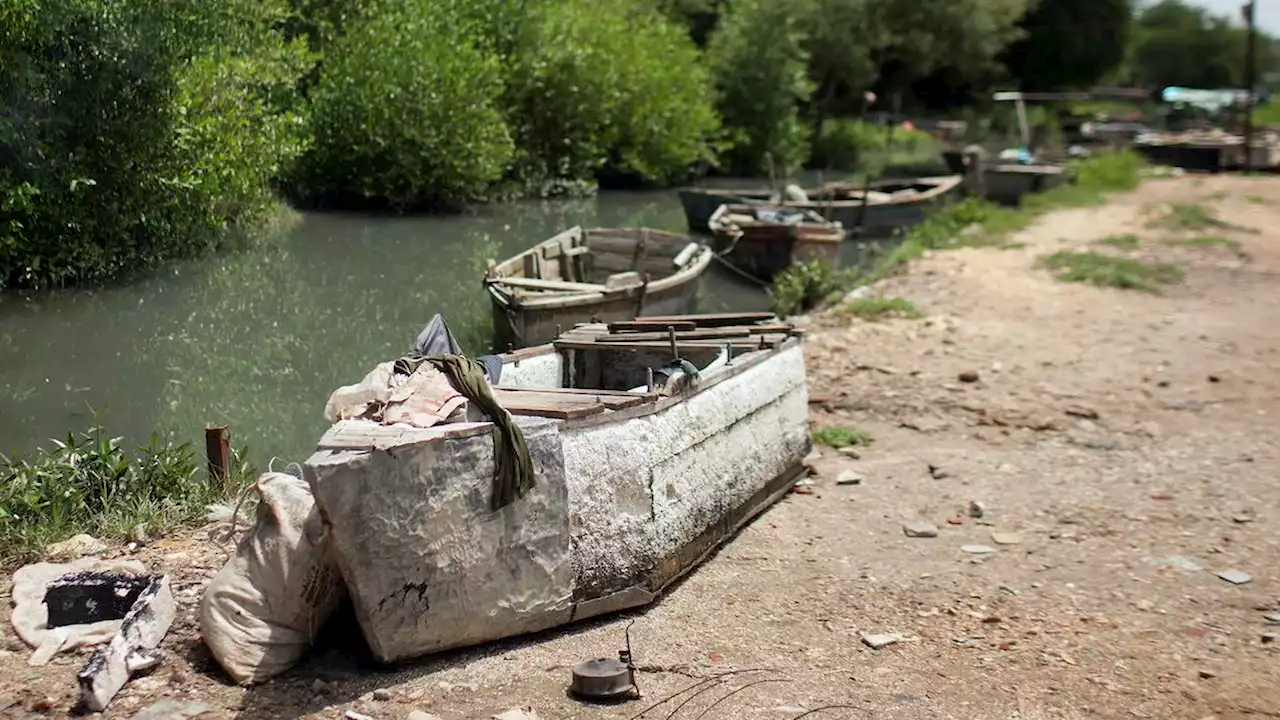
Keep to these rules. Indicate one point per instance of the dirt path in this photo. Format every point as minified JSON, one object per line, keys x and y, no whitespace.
{"x":1093,"y":613}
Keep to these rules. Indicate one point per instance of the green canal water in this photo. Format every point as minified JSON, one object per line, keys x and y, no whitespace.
{"x":257,"y":340}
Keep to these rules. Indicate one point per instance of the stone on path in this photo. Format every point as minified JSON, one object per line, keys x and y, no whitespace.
{"x":1235,"y":577}
{"x":382,"y":694}
{"x":977,"y":509}
{"x":968,"y":376}
{"x":849,"y":477}
{"x":1006,"y":538}
{"x":875,"y":642}
{"x":919,"y":529}
{"x":978,"y":549}
{"x":173,"y":710}
{"x":75,"y":547}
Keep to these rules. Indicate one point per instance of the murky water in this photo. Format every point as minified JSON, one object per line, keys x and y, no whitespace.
{"x":258,"y":340}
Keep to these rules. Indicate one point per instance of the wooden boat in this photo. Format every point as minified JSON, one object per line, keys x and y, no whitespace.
{"x":1007,"y":183}
{"x":892,"y":204}
{"x":764,"y":240}
{"x":598,"y":273}
{"x":637,"y":482}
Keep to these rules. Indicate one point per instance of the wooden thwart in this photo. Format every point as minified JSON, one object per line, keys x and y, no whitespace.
{"x":712,"y":319}
{"x":627,"y":326}
{"x":687,"y":335}
{"x":535,"y":284}
{"x":550,"y":404}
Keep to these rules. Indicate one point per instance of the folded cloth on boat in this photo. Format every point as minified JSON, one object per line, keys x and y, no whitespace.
{"x":403,"y":391}
{"x":779,"y":216}
{"x":512,"y":465}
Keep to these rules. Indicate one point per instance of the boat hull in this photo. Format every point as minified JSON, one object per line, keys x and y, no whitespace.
{"x":518,"y":327}
{"x":766,"y":251}
{"x":1008,"y":185}
{"x":621,"y":508}
{"x":873,"y":219}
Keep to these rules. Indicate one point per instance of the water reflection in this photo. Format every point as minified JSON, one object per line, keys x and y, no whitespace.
{"x":257,"y":340}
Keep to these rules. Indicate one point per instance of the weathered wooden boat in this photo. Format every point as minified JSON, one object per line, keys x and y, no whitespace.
{"x":890,"y":205}
{"x":638,"y":480}
{"x":1006,"y":183}
{"x":763,"y":241}
{"x":586,"y":274}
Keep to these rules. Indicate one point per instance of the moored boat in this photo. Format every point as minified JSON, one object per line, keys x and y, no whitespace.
{"x":651,"y":442}
{"x":890,"y":204}
{"x":763,"y":241}
{"x":583,"y":274}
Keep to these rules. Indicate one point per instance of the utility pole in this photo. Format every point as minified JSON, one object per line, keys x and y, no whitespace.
{"x":1249,"y":82}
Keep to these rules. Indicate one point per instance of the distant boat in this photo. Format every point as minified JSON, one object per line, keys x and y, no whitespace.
{"x":1007,"y":183}
{"x":592,"y":274}
{"x":652,"y":443}
{"x":891,"y":204}
{"x":763,"y":241}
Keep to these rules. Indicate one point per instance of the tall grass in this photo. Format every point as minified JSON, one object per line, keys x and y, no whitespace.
{"x":89,"y":483}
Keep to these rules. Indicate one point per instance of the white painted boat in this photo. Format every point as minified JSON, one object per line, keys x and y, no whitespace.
{"x":637,"y":481}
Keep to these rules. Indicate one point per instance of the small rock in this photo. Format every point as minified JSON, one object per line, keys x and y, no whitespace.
{"x":173,"y":710}
{"x":420,"y":715}
{"x":1268,"y":638}
{"x":977,"y":509}
{"x":1242,"y":518}
{"x":382,"y":694}
{"x":76,"y":547}
{"x":44,"y":704}
{"x":353,"y":715}
{"x":319,"y":686}
{"x":1208,"y":674}
{"x":1144,"y":605}
{"x":1214,"y":379}
{"x":849,"y":477}
{"x":968,"y":376}
{"x":955,"y":521}
{"x":850,"y":451}
{"x":978,"y":549}
{"x":1081,"y":411}
{"x":875,"y":642}
{"x":1006,"y":538}
{"x":1235,"y":577}
{"x":920,"y":529}
{"x":938,"y":473}
{"x":1272,"y":618}
{"x":524,"y":713}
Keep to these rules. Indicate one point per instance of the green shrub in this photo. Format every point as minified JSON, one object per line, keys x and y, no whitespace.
{"x":855,"y":144}
{"x":838,"y":436}
{"x":88,"y":483}
{"x":807,"y":284}
{"x":136,"y":131}
{"x":407,"y":111}
{"x":612,"y":85}
{"x":759,"y":64}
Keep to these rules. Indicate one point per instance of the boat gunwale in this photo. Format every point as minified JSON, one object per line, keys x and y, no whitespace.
{"x":815,"y":230}
{"x":575,"y":298}
{"x":942,"y":184}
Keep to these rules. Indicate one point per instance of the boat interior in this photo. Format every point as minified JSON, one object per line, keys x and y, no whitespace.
{"x":642,"y":363}
{"x":594,"y":260}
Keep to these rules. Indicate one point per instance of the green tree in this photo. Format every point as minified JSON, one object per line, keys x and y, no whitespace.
{"x":134,"y":131}
{"x":1178,"y":44}
{"x":407,"y":110}
{"x":760,"y":66}
{"x":1063,"y":47}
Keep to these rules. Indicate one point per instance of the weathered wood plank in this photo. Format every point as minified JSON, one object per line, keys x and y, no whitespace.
{"x":686,"y":335}
{"x":626,"y":326}
{"x":713,"y":319}
{"x":536,"y":284}
{"x":551,"y":405}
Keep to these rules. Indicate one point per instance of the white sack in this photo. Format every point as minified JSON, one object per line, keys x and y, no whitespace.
{"x":261,"y":612}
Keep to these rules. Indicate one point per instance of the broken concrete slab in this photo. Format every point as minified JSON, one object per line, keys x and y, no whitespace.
{"x":173,"y":710}
{"x":978,"y":549}
{"x":142,"y":629}
{"x":1235,"y":577}
{"x":877,"y":641}
{"x":919,"y":529}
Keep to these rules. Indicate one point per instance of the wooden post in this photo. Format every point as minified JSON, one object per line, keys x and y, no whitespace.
{"x":217,"y":448}
{"x":671,"y":336}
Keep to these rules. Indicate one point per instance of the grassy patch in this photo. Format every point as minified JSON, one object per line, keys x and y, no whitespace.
{"x":839,"y":436}
{"x":1107,"y":271}
{"x":88,"y":483}
{"x":1187,"y":218}
{"x":1124,"y":242}
{"x":1204,"y":241}
{"x":1255,"y":199}
{"x":874,"y":309}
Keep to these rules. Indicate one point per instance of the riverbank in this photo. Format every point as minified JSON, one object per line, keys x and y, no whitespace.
{"x":1115,"y":439}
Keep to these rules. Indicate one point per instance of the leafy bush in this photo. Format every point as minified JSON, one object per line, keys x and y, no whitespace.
{"x":407,"y":111}
{"x":88,"y":483}
{"x":855,"y":144}
{"x":613,"y":85}
{"x":760,"y":69}
{"x":136,"y":131}
{"x":807,"y":284}
{"x":838,"y":436}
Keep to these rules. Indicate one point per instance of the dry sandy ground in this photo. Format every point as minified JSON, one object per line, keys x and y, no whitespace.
{"x":1085,"y":617}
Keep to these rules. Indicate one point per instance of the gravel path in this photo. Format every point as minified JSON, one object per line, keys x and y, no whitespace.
{"x":1123,"y":449}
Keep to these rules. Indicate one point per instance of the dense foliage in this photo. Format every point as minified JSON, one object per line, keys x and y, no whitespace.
{"x":133,"y":131}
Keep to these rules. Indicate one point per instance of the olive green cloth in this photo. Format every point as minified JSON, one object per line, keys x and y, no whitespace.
{"x":513,"y":466}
